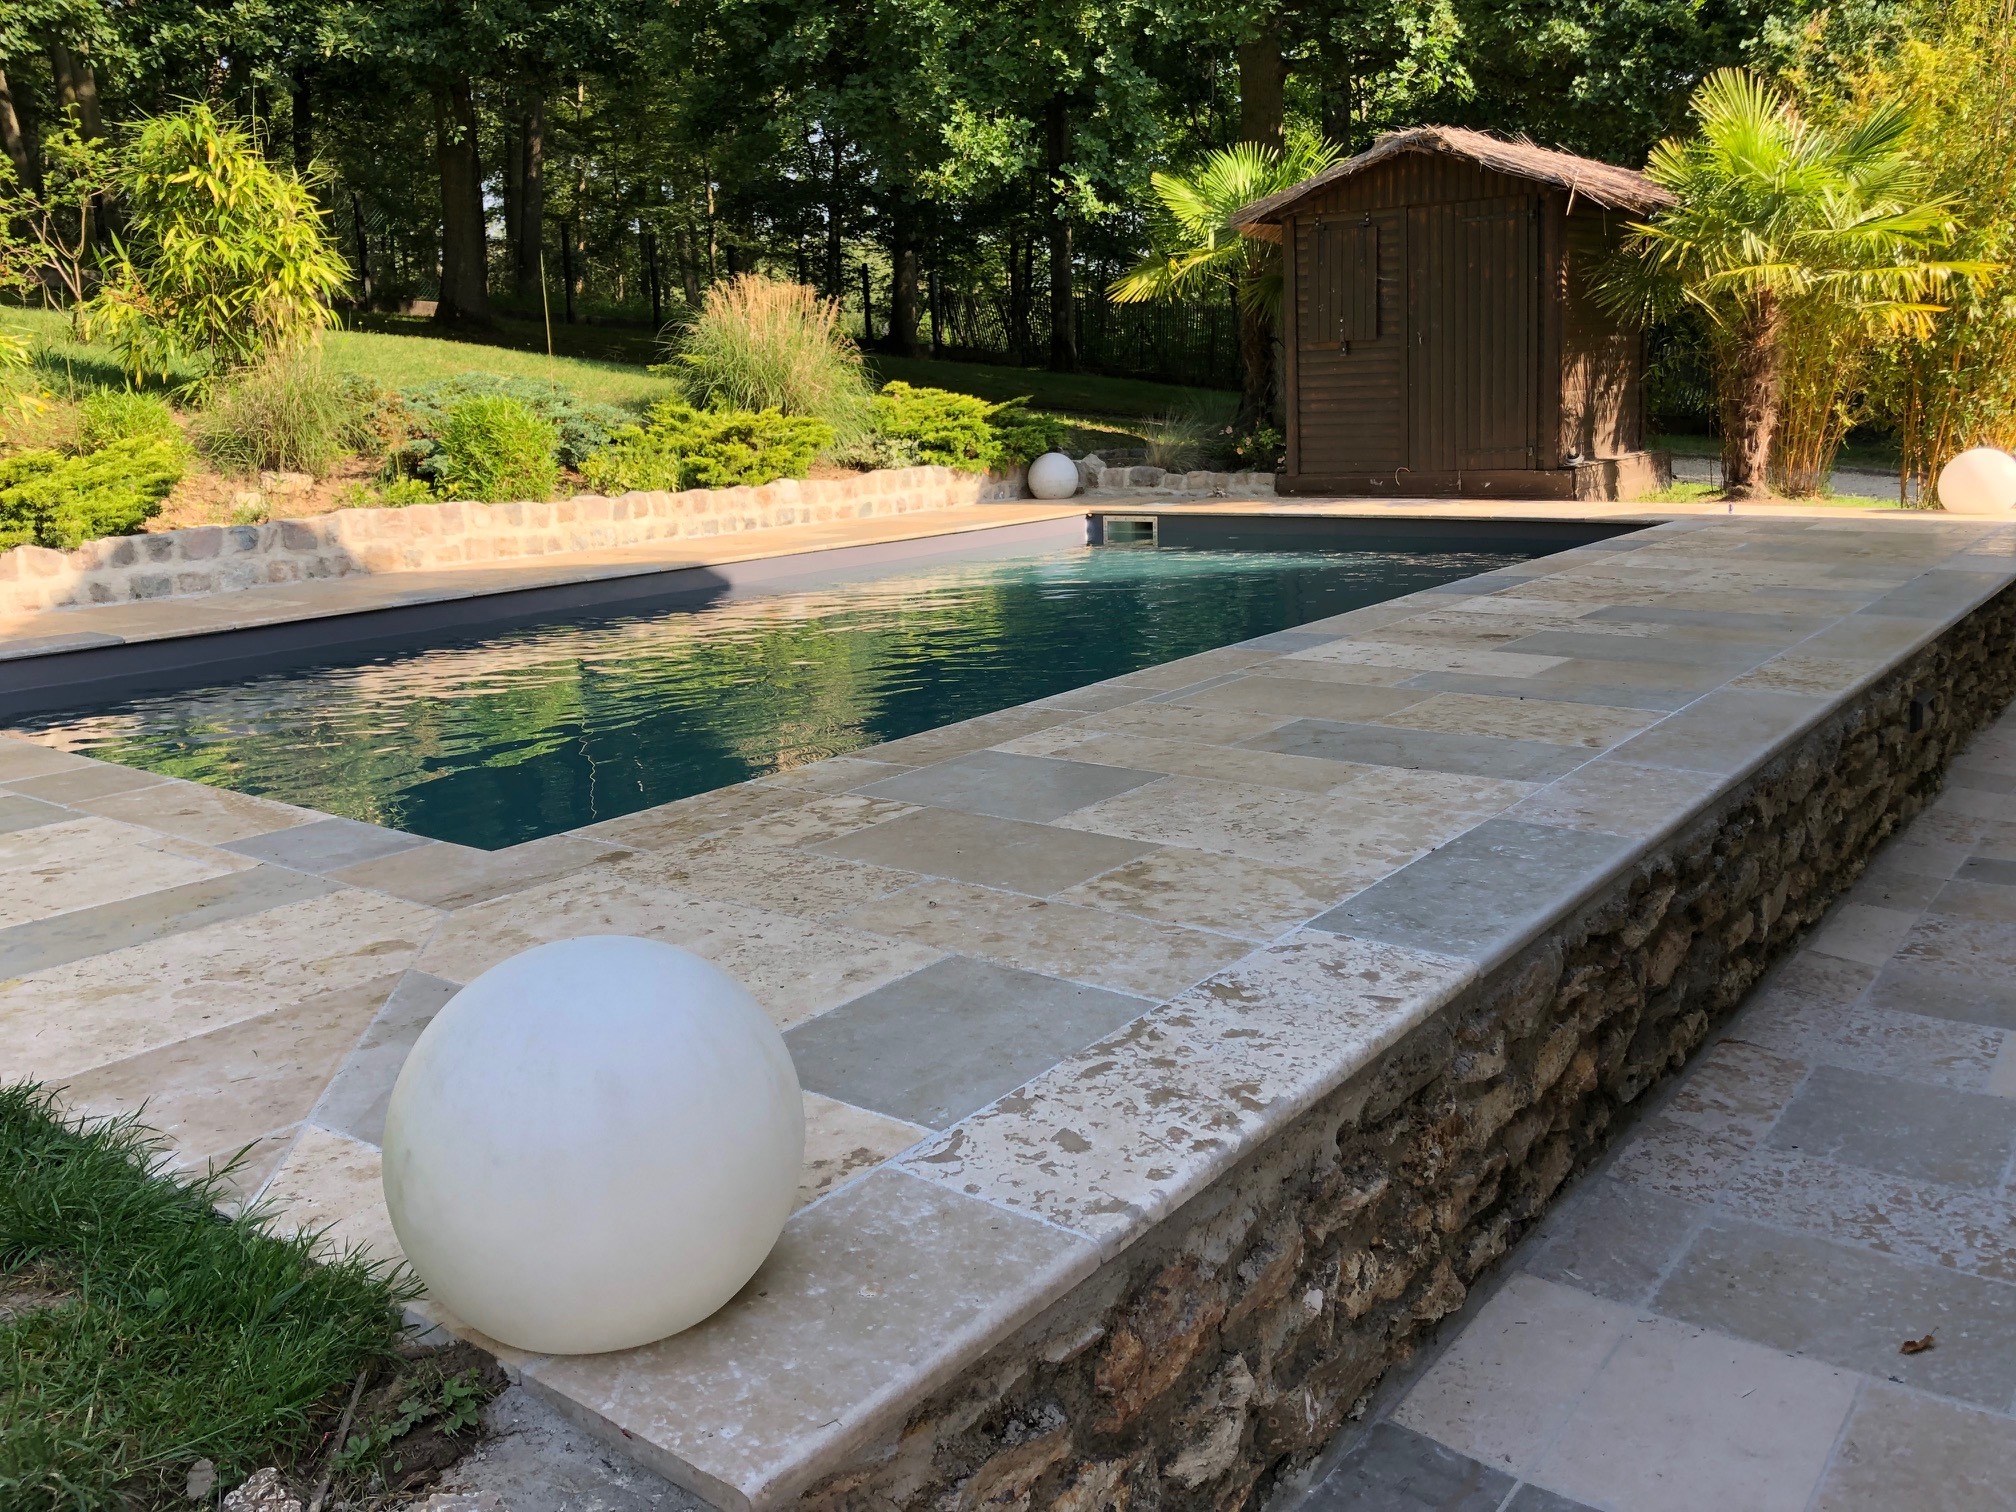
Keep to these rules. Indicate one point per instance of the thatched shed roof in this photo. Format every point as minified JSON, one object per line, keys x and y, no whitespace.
{"x":1602,"y":184}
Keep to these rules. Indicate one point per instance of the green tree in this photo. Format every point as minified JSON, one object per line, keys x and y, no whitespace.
{"x":1773,"y":213}
{"x":1197,"y":249}
{"x":225,"y":259}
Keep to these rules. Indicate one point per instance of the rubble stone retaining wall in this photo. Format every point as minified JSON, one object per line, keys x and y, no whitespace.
{"x":1229,"y":1346}
{"x":234,"y":558}
{"x":1093,"y":472}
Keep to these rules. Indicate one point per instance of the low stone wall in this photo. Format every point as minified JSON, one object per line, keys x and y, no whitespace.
{"x":233,"y":558}
{"x":1093,"y":473}
{"x":1228,"y":1347}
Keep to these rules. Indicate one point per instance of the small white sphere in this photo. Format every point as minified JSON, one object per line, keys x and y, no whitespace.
{"x":1980,"y":481}
{"x":593,"y":1145}
{"x":1053,"y":476}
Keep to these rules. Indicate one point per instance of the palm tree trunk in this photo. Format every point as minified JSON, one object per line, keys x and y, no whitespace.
{"x":1751,"y":402}
{"x":1256,"y":369}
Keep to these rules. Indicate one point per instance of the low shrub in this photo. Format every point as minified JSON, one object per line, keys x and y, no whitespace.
{"x":683,"y":447}
{"x":495,"y":448}
{"x":289,"y":415}
{"x":112,"y":415}
{"x":958,"y":430}
{"x":48,"y":499}
{"x":762,"y":343}
{"x":413,"y":422}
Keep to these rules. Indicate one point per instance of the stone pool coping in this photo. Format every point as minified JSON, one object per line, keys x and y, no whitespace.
{"x":1270,"y":862}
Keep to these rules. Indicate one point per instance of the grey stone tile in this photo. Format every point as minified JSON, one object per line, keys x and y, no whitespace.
{"x":1679,"y":648}
{"x":938,"y":1044}
{"x":1859,"y":1036}
{"x":1993,"y":873}
{"x":43,"y":645}
{"x":1848,"y":1307}
{"x":1577,"y":690}
{"x":1985,"y":901}
{"x":1895,"y":887}
{"x":1486,"y":583}
{"x":1976,"y":949}
{"x":1870,"y":633}
{"x":19,"y":813}
{"x":93,"y":781}
{"x":1007,"y":786}
{"x":1611,"y":1239}
{"x":1826,"y":982}
{"x":1909,"y":988}
{"x":325,"y":845}
{"x":354,"y":1102}
{"x":1007,"y":853}
{"x":871,"y":1299}
{"x":1394,"y":1469}
{"x":1539,"y":1499}
{"x":1901,"y":1128}
{"x":1618,"y":677}
{"x":86,"y":932}
{"x":1902,"y":1450}
{"x":1484,"y":893}
{"x":1434,"y":750}
{"x":1093,"y":699}
{"x":1940,"y":594}
{"x":1278,"y":693}
{"x":1289,"y":640}
{"x":1727,"y":732}
{"x":1619,"y":799}
{"x":1982,"y":782}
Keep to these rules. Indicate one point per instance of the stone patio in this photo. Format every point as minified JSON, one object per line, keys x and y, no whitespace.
{"x":1715,"y":1318}
{"x":1007,"y":954}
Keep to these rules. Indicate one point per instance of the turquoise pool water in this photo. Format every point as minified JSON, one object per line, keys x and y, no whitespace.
{"x":494,"y":738}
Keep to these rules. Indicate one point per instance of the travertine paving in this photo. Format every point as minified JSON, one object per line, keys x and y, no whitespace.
{"x":1047,"y":974}
{"x":1715,"y":1319}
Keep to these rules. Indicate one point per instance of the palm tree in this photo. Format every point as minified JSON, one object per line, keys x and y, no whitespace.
{"x":1198,"y":251}
{"x":1772,"y":211}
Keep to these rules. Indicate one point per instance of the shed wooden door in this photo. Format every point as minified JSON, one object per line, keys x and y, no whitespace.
{"x":1473,"y":308}
{"x":1350,"y":343}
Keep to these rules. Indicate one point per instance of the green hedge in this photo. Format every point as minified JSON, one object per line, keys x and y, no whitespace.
{"x":494,"y":449}
{"x":48,"y":499}
{"x":958,"y":430}
{"x":683,"y":447}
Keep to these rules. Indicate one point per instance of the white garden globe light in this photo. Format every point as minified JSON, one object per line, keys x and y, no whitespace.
{"x":1053,"y":476}
{"x":1980,"y":481}
{"x":593,"y":1145}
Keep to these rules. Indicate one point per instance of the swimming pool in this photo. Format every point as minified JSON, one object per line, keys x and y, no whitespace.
{"x":491,"y":737}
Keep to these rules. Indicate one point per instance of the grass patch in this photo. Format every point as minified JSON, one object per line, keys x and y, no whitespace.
{"x":1074,"y":394}
{"x":156,"y":1332}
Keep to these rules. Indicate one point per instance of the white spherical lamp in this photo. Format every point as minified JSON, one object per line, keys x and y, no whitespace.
{"x":1980,"y":481}
{"x":593,"y":1145}
{"x":1053,"y":476}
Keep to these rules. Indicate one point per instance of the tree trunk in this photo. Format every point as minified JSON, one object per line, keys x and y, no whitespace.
{"x":903,"y":287}
{"x":567,"y":265}
{"x":465,"y":288}
{"x":77,"y":89}
{"x":301,"y":121}
{"x":657,"y":284}
{"x":12,"y":141}
{"x":1256,"y":369}
{"x":689,"y":270}
{"x":531,"y":198}
{"x":1263,"y":76}
{"x":937,"y":298}
{"x":1750,"y":402}
{"x":1063,"y":332}
{"x":363,"y":252}
{"x":836,"y":272}
{"x":1018,"y":301}
{"x":867,"y":308}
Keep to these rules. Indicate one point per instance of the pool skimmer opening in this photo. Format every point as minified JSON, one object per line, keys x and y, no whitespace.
{"x":1128,"y":530}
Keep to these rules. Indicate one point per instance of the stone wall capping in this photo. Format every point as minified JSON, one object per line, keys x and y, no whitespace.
{"x":425,"y":536}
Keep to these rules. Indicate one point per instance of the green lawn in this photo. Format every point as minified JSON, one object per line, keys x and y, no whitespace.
{"x":1862,"y":453}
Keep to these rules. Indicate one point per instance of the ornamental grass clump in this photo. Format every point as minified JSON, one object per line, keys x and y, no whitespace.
{"x":762,"y":343}
{"x":290,"y":414}
{"x":494,"y":449}
{"x":148,"y":1332}
{"x":112,"y":415}
{"x":683,"y":447}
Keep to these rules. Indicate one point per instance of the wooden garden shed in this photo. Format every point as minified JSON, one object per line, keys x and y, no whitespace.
{"x":1441,"y":337}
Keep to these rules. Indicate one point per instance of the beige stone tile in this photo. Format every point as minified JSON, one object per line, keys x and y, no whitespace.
{"x":805,"y":884}
{"x":827,"y":817}
{"x":454,"y":876}
{"x":1430,"y":658}
{"x":1300,"y":699}
{"x":1679,"y":1419}
{"x":870,"y":1300}
{"x":26,"y":758}
{"x":1192,"y":758}
{"x":336,"y":1184}
{"x":1903,"y":1450}
{"x":794,"y":968}
{"x":834,"y":775}
{"x":58,"y":868}
{"x":1358,"y":674}
{"x":689,"y":818}
{"x":1735,"y":1090}
{"x":1509,"y":1381}
{"x":842,"y":1141}
{"x":243,"y":1171}
{"x":94,"y":780}
{"x":215,"y":816}
{"x":1195,"y":669}
{"x":1208,"y":891}
{"x":212,"y":1094}
{"x":1117,"y":1136}
{"x":1171,"y":721}
{"x":58,"y":1023}
{"x":1862,"y":932}
{"x":1803,"y":672}
{"x":968,"y":735}
{"x":1081,"y":944}
{"x":1351,"y":832}
{"x":1593,"y":727}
